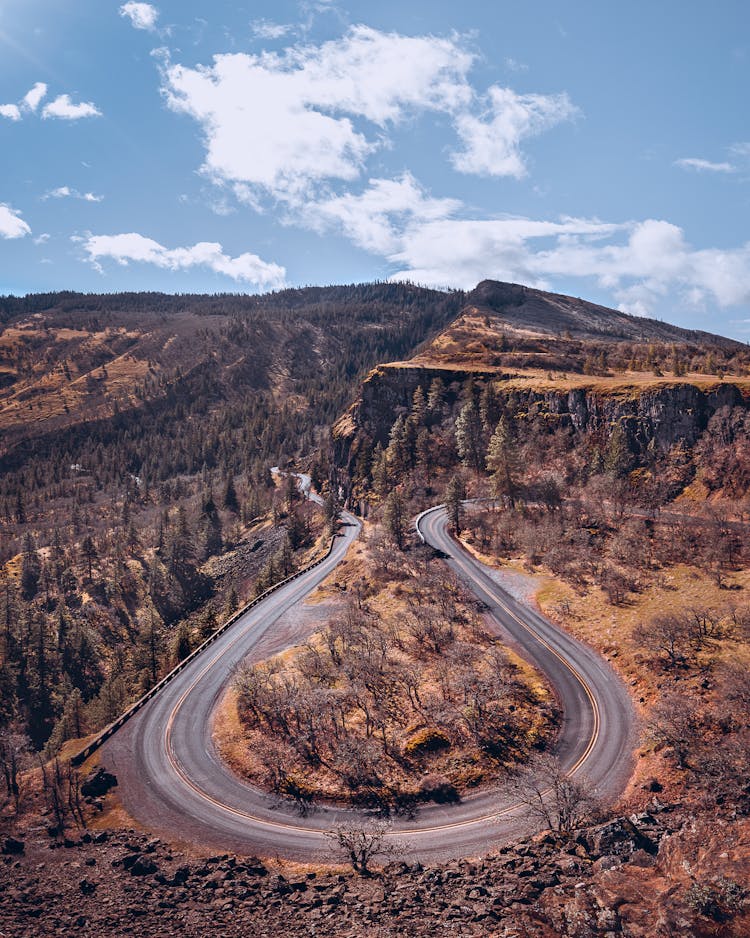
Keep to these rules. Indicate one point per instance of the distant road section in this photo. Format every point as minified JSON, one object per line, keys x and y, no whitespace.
{"x":173,"y":781}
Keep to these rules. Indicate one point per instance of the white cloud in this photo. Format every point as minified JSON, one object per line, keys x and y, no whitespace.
{"x":280,"y":124}
{"x":42,"y":238}
{"x":640,"y":262}
{"x":11,"y":223}
{"x":374,"y":218}
{"x":65,"y":192}
{"x":132,"y":247}
{"x":141,"y":15}
{"x":491,"y":141}
{"x":704,"y":166}
{"x":297,"y":126}
{"x":33,"y":98}
{"x":460,"y":252}
{"x":265,"y":29}
{"x":64,"y":109}
{"x":29,"y":102}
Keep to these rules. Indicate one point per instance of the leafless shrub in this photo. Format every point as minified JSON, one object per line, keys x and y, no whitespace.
{"x":676,"y":721}
{"x":360,"y":844}
{"x":559,"y":801}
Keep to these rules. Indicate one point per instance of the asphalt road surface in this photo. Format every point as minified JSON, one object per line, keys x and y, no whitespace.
{"x":172,"y":780}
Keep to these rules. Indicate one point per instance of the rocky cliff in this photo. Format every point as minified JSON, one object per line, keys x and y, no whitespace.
{"x":660,"y":412}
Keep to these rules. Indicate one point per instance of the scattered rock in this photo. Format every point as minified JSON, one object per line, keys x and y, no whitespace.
{"x":139,"y":865}
{"x":87,"y":887}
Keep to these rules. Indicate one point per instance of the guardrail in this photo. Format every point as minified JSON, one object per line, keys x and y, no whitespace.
{"x":109,"y":731}
{"x":423,"y":514}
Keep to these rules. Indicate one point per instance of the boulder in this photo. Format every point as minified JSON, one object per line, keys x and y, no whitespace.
{"x":98,"y":783}
{"x":11,"y":845}
{"x":139,"y":865}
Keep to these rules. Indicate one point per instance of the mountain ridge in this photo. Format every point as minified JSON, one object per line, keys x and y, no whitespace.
{"x":555,"y":313}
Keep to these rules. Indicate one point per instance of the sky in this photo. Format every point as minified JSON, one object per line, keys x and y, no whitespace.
{"x":593,"y":148}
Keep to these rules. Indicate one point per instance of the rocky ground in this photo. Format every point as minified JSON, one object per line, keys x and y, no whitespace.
{"x":657,"y":873}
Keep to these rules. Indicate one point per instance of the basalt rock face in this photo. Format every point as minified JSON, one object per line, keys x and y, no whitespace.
{"x":666,"y":415}
{"x":660,"y":415}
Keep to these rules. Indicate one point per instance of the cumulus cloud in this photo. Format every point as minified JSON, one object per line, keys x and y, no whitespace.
{"x":640,"y":262}
{"x":376,"y":218}
{"x":141,"y":15}
{"x":704,"y":166}
{"x":11,"y":223}
{"x":460,"y":252}
{"x":279,"y":123}
{"x":492,"y":140}
{"x":65,"y":192}
{"x":33,"y":98}
{"x":132,"y":247}
{"x":63,"y":108}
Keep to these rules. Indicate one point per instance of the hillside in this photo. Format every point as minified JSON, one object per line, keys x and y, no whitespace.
{"x":610,"y":456}
{"x":555,"y":361}
{"x":136,"y":507}
{"x":69,"y":359}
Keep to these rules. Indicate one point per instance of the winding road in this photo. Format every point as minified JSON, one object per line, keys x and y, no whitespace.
{"x":172,"y":780}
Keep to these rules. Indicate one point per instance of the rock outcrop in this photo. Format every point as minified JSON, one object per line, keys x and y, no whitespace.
{"x":662,"y":413}
{"x":658,"y":872}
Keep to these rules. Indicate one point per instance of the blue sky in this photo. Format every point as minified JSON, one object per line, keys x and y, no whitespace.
{"x":594,"y":148}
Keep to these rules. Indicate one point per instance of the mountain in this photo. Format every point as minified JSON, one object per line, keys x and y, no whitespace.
{"x":119,"y":363}
{"x":509,"y":326}
{"x":555,"y":359}
{"x":517,"y":307}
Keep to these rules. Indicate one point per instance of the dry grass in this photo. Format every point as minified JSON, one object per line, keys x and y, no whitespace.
{"x":387,"y":602}
{"x":622,"y":384}
{"x":609,"y":628}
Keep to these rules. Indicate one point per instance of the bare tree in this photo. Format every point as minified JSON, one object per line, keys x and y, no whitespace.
{"x":669,"y":635}
{"x":15,"y":750}
{"x":562,"y":803}
{"x":676,"y":722}
{"x":62,"y":789}
{"x":361,"y":843}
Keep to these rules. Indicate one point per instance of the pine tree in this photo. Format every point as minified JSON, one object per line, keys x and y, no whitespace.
{"x":88,"y":549}
{"x":618,"y":459}
{"x":182,"y":645}
{"x":455,"y":494}
{"x":468,"y":432}
{"x":394,"y":518}
{"x":231,"y":502}
{"x":501,"y":460}
{"x":31,"y":569}
{"x":418,"y":406}
{"x":435,"y":399}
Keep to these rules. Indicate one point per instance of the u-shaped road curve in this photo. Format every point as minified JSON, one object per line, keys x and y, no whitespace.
{"x":172,"y":780}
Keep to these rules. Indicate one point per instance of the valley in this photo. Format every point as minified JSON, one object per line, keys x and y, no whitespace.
{"x":604,"y":454}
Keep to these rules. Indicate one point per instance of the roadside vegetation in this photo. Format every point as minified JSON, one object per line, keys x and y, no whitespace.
{"x":402,"y":697}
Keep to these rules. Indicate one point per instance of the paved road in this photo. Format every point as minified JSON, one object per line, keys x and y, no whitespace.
{"x":172,"y":780}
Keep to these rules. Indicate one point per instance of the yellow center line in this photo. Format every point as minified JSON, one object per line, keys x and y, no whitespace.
{"x":284,"y":825}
